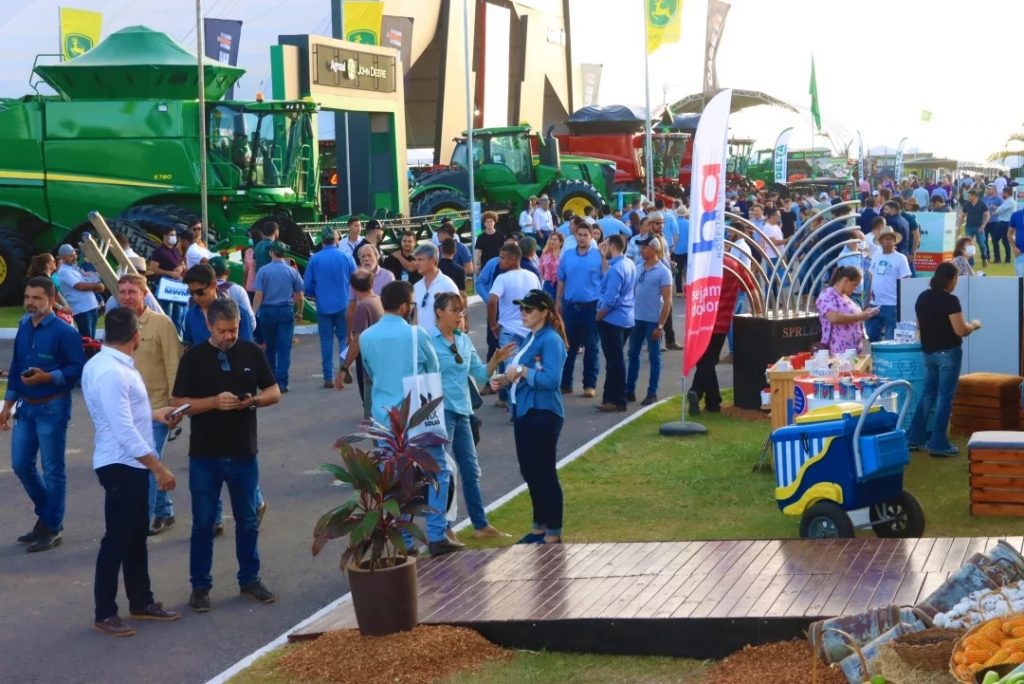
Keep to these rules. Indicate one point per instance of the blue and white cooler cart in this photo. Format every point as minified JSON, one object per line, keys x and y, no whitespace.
{"x":843,"y":458}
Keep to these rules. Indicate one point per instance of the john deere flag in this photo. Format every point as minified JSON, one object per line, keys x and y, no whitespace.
{"x":663,"y":19}
{"x":362,"y":20}
{"x":79,"y":31}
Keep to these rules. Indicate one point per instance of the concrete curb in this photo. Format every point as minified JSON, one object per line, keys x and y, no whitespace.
{"x":11,"y":333}
{"x":248,"y":660}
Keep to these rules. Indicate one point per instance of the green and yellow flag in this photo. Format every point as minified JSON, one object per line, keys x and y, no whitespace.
{"x":79,"y":31}
{"x":362,"y":19}
{"x":663,"y":20}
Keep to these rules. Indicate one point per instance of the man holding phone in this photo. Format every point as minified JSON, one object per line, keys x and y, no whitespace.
{"x":47,"y":364}
{"x":225,"y":380}
{"x":124,"y":454}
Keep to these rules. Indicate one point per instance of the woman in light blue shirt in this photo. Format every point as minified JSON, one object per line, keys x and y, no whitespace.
{"x":460,"y":362}
{"x":535,"y":375}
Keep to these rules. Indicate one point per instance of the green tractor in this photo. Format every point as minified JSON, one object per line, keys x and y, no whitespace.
{"x":506,"y":173}
{"x":122,"y":138}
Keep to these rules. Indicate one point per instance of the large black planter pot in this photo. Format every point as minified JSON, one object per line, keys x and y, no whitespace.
{"x":384,"y":599}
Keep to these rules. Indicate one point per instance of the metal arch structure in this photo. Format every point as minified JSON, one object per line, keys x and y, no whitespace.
{"x":741,"y":99}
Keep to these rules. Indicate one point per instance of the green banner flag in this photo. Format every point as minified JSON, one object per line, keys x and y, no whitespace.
{"x":815,"y":111}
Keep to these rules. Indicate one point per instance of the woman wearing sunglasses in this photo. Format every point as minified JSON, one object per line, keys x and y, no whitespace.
{"x":535,"y":374}
{"x":460,"y":362}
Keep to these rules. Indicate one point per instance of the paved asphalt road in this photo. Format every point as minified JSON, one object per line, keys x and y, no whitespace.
{"x":46,"y":604}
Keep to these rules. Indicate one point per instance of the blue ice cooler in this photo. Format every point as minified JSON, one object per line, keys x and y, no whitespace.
{"x":814,"y":459}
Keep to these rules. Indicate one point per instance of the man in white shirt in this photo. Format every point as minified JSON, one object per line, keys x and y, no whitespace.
{"x":543,"y":223}
{"x":352,"y":242}
{"x":429,"y":286}
{"x":123,"y":456}
{"x":79,"y":291}
{"x":503,"y":317}
{"x":194,"y":254}
{"x":886,"y":269}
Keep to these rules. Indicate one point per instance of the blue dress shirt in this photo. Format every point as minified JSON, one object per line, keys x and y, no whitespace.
{"x":52,"y":346}
{"x":617,"y":292}
{"x":540,"y":388}
{"x":455,"y":376}
{"x":278,"y":282}
{"x":682,"y":245}
{"x":581,"y":275}
{"x":386,"y":348}
{"x":613,"y":226}
{"x":327,"y":279}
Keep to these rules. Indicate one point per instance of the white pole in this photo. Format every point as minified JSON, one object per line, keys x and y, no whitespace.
{"x":469,"y":122}
{"x":203,"y":181}
{"x":648,"y":140}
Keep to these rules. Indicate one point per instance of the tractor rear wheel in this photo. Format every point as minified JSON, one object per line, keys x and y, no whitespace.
{"x":14,"y":257}
{"x":574,"y":195}
{"x":439,"y":203}
{"x":289,"y":232}
{"x":150,"y":221}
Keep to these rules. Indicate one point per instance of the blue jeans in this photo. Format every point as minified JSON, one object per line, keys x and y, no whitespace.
{"x":437,"y":500}
{"x":330,"y":326}
{"x":206,"y":478}
{"x":882,"y":326}
{"x":460,"y":438}
{"x":278,"y":324}
{"x":980,"y":239}
{"x":581,"y":329}
{"x":641,"y":333}
{"x":942,"y":372}
{"x":86,"y":322}
{"x":175,"y":311}
{"x":506,"y":337}
{"x":160,"y":504}
{"x":613,"y":338}
{"x":42,"y":429}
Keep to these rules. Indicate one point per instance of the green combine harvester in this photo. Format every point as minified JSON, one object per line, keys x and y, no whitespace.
{"x":122,"y":138}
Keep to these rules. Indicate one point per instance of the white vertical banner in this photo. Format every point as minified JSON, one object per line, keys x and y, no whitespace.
{"x":899,"y":161}
{"x":860,"y":157}
{"x":707,"y":231}
{"x":780,"y":156}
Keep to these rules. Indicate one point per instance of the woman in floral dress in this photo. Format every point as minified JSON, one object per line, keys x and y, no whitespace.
{"x":842,"y":320}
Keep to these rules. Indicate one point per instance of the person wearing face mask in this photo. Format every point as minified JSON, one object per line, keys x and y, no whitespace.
{"x":167,"y":262}
{"x":963,"y":255}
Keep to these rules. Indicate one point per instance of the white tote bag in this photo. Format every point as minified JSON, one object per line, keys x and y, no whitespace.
{"x":424,"y":387}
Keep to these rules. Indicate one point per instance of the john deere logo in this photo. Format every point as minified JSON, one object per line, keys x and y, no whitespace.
{"x":661,"y":11}
{"x":76,"y":45}
{"x":364,"y":36}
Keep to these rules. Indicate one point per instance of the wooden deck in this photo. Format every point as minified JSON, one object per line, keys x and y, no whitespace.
{"x":700,"y":598}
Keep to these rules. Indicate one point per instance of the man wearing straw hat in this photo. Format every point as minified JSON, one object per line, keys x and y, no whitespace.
{"x":887,"y":267}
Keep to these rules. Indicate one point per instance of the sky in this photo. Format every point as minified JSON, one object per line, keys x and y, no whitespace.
{"x":879,"y":62}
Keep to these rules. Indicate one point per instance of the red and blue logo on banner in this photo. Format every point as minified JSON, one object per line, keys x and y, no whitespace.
{"x":707,"y":237}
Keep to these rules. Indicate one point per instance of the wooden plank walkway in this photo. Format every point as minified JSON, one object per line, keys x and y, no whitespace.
{"x":712,"y":596}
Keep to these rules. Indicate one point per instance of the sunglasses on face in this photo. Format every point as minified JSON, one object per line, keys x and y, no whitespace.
{"x":223,"y":358}
{"x":527,"y":309}
{"x":195,"y":292}
{"x":454,"y":350}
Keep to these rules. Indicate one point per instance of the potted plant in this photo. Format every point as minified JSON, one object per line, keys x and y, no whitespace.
{"x":389,"y":480}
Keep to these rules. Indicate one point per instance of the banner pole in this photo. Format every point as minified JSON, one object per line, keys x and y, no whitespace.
{"x":203,"y":180}
{"x":648,"y":137}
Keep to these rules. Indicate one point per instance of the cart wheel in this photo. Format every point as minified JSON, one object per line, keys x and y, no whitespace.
{"x":825,"y":520}
{"x":903,"y":516}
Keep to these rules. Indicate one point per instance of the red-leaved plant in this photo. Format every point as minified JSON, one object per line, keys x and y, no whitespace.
{"x":389,"y":480}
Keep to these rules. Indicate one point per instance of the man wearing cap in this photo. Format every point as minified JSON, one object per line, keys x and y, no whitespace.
{"x":579,"y":288}
{"x":373,"y":234}
{"x":45,"y":366}
{"x":887,"y":267}
{"x":614,"y":320}
{"x":652,"y":310}
{"x":234,"y":291}
{"x":974,"y":216}
{"x":166,"y":262}
{"x":327,"y":281}
{"x":432,"y":284}
{"x":353,"y":240}
{"x":79,"y":291}
{"x":278,"y":304}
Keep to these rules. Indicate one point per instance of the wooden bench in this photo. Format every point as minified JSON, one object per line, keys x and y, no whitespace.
{"x":986,"y":401}
{"x":997,"y":472}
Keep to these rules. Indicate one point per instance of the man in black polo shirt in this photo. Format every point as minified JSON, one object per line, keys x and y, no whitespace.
{"x":224,"y":380}
{"x":451,"y":269}
{"x":974,"y":216}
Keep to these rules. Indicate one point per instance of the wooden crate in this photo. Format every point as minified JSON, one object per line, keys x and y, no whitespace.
{"x":781,"y":386}
{"x":997,"y":482}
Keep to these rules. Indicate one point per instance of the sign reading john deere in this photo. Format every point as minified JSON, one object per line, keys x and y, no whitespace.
{"x":343,"y":68}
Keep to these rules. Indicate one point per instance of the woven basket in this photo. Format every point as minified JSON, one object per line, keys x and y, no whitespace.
{"x":953,"y":667}
{"x":930,"y":649}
